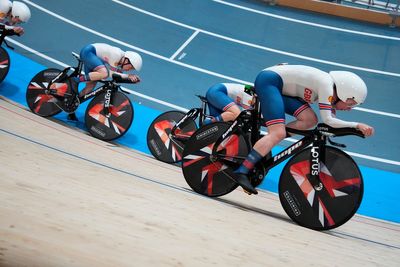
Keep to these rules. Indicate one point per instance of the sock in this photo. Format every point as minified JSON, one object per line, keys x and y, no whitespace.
{"x":218,"y":118}
{"x":210,"y":120}
{"x":249,"y":162}
{"x":82,"y":78}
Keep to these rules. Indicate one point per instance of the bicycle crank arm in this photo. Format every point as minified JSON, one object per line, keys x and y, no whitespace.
{"x":228,"y":160}
{"x":54,"y":92}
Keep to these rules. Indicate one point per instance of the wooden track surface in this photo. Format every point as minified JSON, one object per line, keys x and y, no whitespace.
{"x":68,"y":199}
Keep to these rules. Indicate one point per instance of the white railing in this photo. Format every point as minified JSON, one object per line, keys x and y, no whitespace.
{"x":392,"y":7}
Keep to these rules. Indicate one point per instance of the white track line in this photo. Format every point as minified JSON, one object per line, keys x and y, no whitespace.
{"x":372,"y":158}
{"x":378,"y":112}
{"x":158,"y":56}
{"x":255,"y":45}
{"x":184,"y":45}
{"x":168,"y":59}
{"x":306,"y":22}
{"x":65,"y":65}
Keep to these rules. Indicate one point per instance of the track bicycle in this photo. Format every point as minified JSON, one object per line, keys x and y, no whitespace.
{"x":200,"y":146}
{"x":109,"y":114}
{"x":170,"y":130}
{"x":4,"y":56}
{"x":320,"y":187}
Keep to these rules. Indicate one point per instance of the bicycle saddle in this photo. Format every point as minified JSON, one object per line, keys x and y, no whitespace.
{"x":76,"y":56}
{"x":202,"y":98}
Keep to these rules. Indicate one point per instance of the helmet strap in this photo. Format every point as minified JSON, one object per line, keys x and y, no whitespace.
{"x":336,"y":98}
{"x":125,"y":61}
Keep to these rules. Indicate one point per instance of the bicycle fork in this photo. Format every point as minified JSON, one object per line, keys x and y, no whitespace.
{"x":107,"y":102}
{"x":192,"y":114}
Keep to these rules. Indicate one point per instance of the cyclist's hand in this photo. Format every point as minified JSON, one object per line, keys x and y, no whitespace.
{"x":18,"y":30}
{"x":365,"y":129}
{"x":134,"y":78}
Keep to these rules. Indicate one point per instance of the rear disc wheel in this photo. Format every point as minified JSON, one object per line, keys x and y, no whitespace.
{"x":39,"y":102}
{"x":164,"y":145}
{"x":209,"y":174}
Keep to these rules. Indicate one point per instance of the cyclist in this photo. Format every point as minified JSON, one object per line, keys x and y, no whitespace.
{"x":225,"y":99}
{"x":12,"y":14}
{"x":101,"y":61}
{"x":289,"y":89}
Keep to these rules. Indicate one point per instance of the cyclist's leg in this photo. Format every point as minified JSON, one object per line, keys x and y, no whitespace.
{"x":88,"y":87}
{"x":221,"y":106}
{"x":268,"y":87}
{"x":269,"y":90}
{"x":230,"y":113}
{"x":301,"y":110}
{"x":213,"y":112}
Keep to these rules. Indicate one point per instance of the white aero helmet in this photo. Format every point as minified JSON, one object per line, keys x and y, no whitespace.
{"x":349,"y":85}
{"x":135,"y":59}
{"x":5,"y":6}
{"x":21,"y":11}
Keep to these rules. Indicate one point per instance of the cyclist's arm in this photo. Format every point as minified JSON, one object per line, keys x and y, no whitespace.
{"x":7,"y":27}
{"x":132,"y":77}
{"x":116,"y":72}
{"x":111,"y":70}
{"x":18,"y":30}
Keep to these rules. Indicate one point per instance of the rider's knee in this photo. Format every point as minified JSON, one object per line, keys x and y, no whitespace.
{"x":278,"y":134}
{"x":234,"y":112}
{"x":228,"y":116}
{"x":99,"y":74}
{"x":311,"y":122}
{"x":308,"y":118}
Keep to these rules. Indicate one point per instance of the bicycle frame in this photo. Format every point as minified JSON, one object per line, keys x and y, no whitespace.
{"x":192,"y":114}
{"x":317,"y":138}
{"x":108,"y":86}
{"x":317,"y":142}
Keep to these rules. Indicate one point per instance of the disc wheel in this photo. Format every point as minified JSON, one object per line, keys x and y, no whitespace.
{"x":207,"y":173}
{"x":327,"y":206}
{"x":39,"y":102}
{"x":164,"y":145}
{"x":113,"y":125}
{"x":4,"y":63}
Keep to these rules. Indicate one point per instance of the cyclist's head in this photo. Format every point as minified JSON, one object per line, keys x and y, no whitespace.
{"x":349,"y":86}
{"x":20,"y":12}
{"x":134,"y":59}
{"x":5,"y":7}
